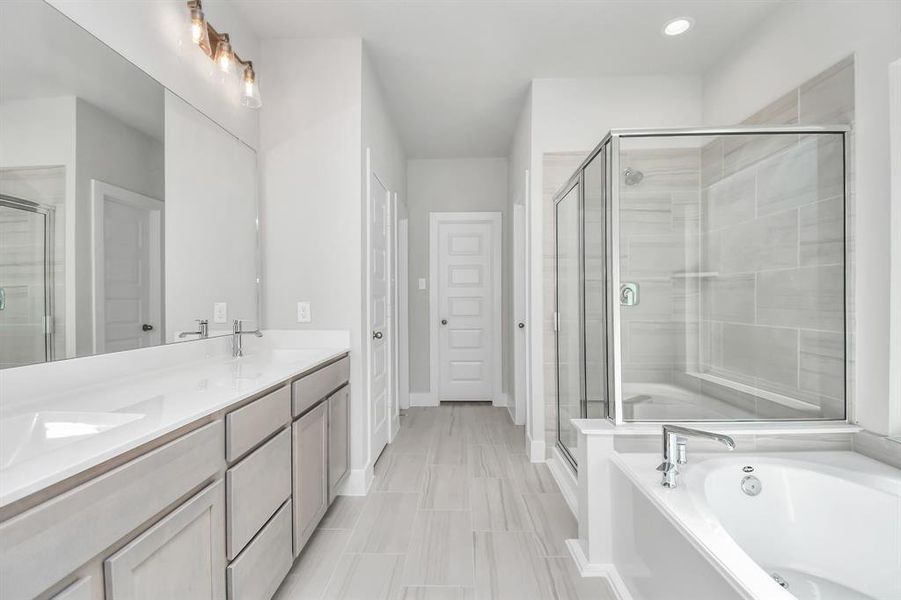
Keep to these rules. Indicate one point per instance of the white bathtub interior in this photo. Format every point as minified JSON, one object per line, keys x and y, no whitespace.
{"x":827,"y":525}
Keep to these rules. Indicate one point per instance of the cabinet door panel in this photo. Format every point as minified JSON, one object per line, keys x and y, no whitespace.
{"x":337,"y":438}
{"x":310,"y":441}
{"x":182,"y":556}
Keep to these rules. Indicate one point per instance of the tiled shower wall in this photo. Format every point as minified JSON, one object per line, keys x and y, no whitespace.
{"x":773,"y":242}
{"x":658,"y":229}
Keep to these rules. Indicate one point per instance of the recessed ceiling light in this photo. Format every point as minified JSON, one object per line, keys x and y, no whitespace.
{"x":678,"y":26}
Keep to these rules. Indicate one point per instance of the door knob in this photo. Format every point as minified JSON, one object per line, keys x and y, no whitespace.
{"x":146,"y":327}
{"x":376,"y":335}
{"x":444,"y":321}
{"x":521,"y":325}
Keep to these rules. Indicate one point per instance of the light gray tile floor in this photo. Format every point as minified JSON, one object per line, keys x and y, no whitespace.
{"x":456,"y":511}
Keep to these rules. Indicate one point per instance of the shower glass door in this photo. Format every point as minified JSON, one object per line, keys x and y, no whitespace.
{"x":595,"y":181}
{"x":732,"y":274}
{"x":25,"y":283}
{"x":568,"y":301}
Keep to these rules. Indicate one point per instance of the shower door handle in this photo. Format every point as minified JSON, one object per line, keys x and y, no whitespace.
{"x":2,"y":298}
{"x":628,"y":294}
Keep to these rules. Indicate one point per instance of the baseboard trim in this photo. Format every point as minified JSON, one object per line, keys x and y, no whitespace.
{"x":501,"y":401}
{"x":537,"y":452}
{"x":566,"y":480}
{"x":357,"y":482}
{"x":607,"y":570}
{"x":423,"y":399}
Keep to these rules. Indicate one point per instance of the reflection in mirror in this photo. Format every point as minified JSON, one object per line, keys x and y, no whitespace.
{"x":125,"y":215}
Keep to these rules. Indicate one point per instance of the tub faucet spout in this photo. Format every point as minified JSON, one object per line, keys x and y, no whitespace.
{"x":674,"y":449}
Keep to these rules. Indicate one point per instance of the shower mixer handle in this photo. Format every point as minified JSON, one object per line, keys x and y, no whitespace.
{"x":628,"y":294}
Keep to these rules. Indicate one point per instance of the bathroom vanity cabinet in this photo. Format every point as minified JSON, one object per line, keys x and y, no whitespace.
{"x":217,"y":509}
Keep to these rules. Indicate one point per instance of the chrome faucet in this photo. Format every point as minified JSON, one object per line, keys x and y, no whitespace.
{"x":674,"y":449}
{"x":237,"y":332}
{"x":203,"y":330}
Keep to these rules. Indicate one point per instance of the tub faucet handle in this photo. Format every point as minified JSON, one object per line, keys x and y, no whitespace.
{"x":681,"y":451}
{"x":670,"y":471}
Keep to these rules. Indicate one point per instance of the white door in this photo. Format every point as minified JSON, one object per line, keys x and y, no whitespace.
{"x":520,"y":312}
{"x":465,"y":273}
{"x":127,"y":269}
{"x":380,"y":384}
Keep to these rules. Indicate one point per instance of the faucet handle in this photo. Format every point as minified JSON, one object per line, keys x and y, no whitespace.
{"x":681,"y":451}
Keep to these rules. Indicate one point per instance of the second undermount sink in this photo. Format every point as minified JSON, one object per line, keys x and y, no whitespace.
{"x":29,"y":434}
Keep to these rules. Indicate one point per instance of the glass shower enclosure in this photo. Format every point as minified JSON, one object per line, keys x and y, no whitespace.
{"x":702,"y":275}
{"x":26,"y":281}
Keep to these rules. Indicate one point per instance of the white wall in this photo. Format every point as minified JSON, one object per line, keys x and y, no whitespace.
{"x":797,"y":41}
{"x":895,"y":351}
{"x":574,"y":115}
{"x":155,"y":36}
{"x":438,"y":185}
{"x":311,"y":148}
{"x":210,"y":223}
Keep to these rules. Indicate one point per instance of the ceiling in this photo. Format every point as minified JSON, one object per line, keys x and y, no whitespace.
{"x":43,"y":54}
{"x":455,"y":73}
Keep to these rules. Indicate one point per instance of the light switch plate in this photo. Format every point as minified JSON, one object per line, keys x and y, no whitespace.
{"x":220,"y":312}
{"x":422,"y":283}
{"x":303,"y":312}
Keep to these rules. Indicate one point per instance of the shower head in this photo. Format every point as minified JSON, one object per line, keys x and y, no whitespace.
{"x":632,"y":176}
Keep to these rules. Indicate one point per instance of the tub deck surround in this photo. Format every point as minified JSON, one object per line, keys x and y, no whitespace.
{"x":599,"y":440}
{"x":90,"y":411}
{"x":727,"y":533}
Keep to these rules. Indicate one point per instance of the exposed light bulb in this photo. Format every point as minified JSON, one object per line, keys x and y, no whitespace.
{"x":224,"y":57}
{"x":199,"y":34}
{"x":678,"y":26}
{"x":251,"y":96}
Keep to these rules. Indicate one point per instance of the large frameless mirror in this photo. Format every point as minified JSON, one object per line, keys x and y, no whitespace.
{"x":126,"y":216}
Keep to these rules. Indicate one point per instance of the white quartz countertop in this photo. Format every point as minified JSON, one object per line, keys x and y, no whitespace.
{"x":47,"y":439}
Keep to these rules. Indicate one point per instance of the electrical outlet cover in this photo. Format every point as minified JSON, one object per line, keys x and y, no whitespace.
{"x":220,"y":312}
{"x":303,"y":312}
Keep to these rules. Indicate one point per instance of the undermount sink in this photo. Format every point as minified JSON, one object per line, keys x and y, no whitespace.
{"x":29,"y":434}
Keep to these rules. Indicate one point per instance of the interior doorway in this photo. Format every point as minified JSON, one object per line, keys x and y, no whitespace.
{"x":380,"y":310}
{"x":127,"y":268}
{"x":465,"y":305}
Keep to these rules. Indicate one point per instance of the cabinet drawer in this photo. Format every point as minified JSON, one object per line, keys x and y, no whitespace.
{"x":42,"y":545}
{"x":179,"y":557}
{"x":251,"y":424}
{"x":255,"y":488}
{"x":261,"y":567}
{"x":317,"y":385}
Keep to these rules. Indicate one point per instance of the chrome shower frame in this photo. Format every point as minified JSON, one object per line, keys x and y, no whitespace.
{"x":612,"y":141}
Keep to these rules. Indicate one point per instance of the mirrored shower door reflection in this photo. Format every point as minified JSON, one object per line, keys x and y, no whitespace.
{"x":26,"y":282}
{"x":568,"y":324}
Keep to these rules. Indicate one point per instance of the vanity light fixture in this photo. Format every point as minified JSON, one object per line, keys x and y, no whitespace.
{"x":678,"y":26}
{"x":219,"y":48}
{"x":225,"y":58}
{"x":199,"y":34}
{"x":251,"y":96}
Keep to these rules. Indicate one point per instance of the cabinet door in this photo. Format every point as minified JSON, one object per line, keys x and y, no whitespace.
{"x":337,"y":438}
{"x":310,"y":453}
{"x":182,"y":556}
